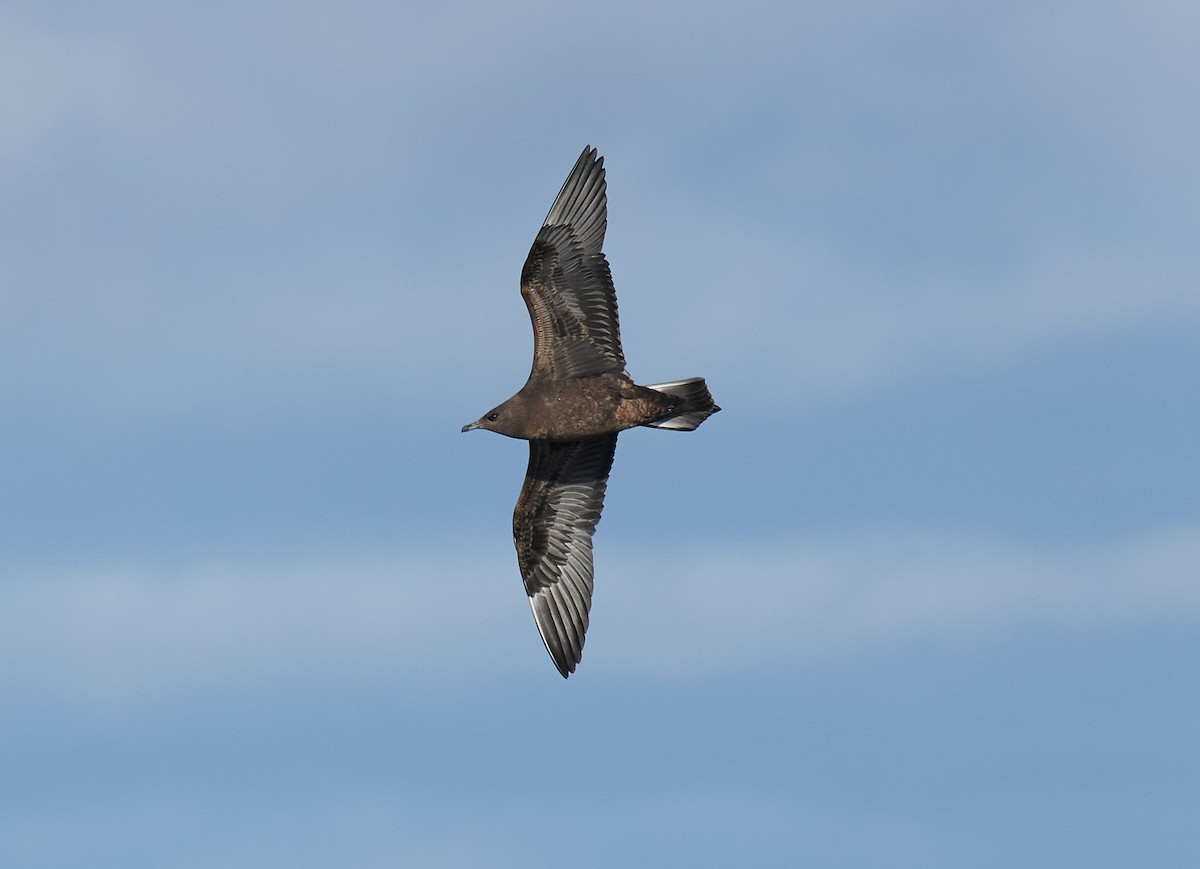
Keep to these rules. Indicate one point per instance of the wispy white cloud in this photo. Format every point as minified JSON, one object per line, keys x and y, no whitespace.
{"x":224,"y":98}
{"x":120,"y":631}
{"x":856,"y":330}
{"x":800,"y":602}
{"x":115,"y":633}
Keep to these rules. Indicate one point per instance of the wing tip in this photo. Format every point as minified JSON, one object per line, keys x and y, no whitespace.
{"x":557,"y":638}
{"x":582,"y":201}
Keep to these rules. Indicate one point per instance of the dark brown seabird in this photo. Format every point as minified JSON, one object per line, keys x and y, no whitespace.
{"x":577,"y":398}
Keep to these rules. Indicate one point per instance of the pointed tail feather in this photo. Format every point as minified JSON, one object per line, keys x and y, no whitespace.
{"x":693,"y":407}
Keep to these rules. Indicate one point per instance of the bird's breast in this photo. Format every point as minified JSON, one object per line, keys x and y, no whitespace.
{"x":588,"y":406}
{"x":568,"y":410}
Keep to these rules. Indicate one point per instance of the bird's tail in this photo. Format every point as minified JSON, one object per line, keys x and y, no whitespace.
{"x":693,"y":404}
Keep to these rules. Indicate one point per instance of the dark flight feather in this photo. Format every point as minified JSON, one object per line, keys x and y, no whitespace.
{"x":553,"y":524}
{"x":567,"y":285}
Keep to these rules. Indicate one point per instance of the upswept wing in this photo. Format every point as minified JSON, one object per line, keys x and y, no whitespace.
{"x":567,"y":285}
{"x":553,"y":524}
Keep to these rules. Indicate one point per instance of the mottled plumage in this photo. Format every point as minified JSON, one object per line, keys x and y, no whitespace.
{"x":578,"y":396}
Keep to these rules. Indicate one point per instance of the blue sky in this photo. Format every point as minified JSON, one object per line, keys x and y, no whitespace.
{"x":926,"y":593}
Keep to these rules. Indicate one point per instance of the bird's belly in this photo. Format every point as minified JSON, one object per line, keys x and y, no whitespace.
{"x":572,"y":410}
{"x":581,"y":409}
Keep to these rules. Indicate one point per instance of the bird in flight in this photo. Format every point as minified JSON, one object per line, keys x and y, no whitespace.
{"x":577,"y":398}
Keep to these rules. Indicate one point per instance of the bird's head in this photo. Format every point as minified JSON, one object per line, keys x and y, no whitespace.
{"x":505,"y":419}
{"x":487,"y":421}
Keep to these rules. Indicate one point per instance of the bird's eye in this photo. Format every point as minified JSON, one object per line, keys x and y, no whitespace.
{"x":493,"y":416}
